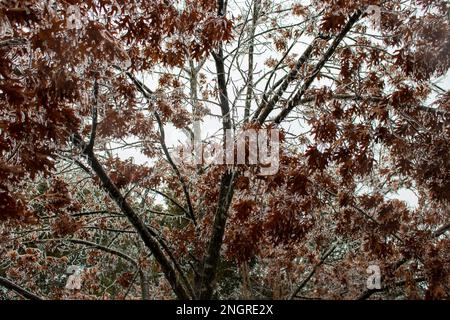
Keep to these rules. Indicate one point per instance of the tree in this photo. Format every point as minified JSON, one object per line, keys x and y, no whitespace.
{"x":352,"y":88}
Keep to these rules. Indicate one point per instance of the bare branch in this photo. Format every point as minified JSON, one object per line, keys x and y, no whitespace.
{"x":147,"y":94}
{"x":312,"y":272}
{"x":175,"y":168}
{"x":311,"y":77}
{"x":91,"y":143}
{"x":249,"y":94}
{"x":167,"y":268}
{"x":205,"y":283}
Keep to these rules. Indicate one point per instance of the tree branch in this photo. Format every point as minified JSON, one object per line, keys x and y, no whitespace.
{"x":12,"y":42}
{"x":205,"y":283}
{"x":223,"y":92}
{"x":8,"y":284}
{"x":173,"y":201}
{"x":151,"y":243}
{"x":309,"y":79}
{"x":312,"y":272}
{"x":267,"y":106}
{"x":249,"y":94}
{"x":175,"y":168}
{"x":144,"y":286}
{"x":441,"y":230}
{"x":90,"y":145}
{"x":146,"y":92}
